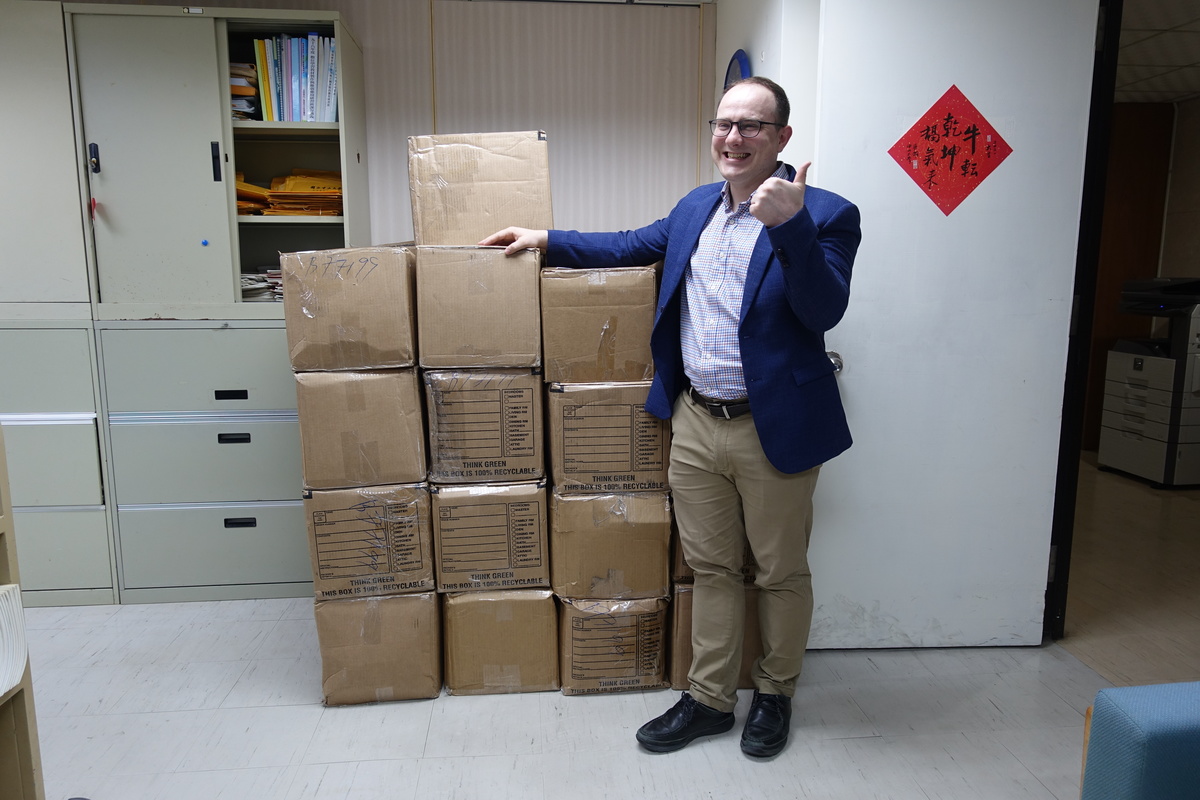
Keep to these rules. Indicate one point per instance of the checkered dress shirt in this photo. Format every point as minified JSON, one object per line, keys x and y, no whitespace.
{"x":712,"y":303}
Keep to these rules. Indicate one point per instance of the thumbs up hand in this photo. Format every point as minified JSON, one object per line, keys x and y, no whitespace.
{"x":777,"y":200}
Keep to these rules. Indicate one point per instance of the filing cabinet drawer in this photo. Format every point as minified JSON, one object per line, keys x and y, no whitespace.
{"x":205,"y":460}
{"x":1153,"y":404}
{"x":54,"y":464}
{"x":225,"y":369}
{"x":1136,"y":424}
{"x":214,"y":545}
{"x":63,"y":549}
{"x":1151,"y":372}
{"x":46,"y":370}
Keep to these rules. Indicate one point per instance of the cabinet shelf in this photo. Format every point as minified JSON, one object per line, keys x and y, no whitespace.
{"x":252,"y":219}
{"x":252,"y":129}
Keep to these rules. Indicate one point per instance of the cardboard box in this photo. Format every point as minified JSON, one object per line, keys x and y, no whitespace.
{"x":360,"y":428}
{"x":681,"y":638}
{"x":490,"y":536}
{"x":596,"y":324}
{"x":612,"y":645}
{"x":501,"y":642}
{"x":350,"y":309}
{"x":603,"y":440}
{"x":374,"y":540}
{"x":681,"y":571}
{"x":467,"y":186}
{"x":485,"y":425}
{"x":610,"y":546}
{"x":375,"y":649}
{"x":477,"y":307}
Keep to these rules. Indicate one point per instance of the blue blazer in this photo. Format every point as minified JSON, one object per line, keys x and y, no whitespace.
{"x":797,"y":287}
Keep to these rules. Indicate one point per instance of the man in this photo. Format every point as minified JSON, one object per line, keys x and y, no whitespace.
{"x":755,"y":270}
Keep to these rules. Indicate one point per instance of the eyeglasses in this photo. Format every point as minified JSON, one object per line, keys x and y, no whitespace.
{"x":747,"y":128}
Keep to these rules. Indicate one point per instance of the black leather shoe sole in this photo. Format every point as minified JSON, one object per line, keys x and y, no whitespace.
{"x":763,"y":749}
{"x":664,"y":744}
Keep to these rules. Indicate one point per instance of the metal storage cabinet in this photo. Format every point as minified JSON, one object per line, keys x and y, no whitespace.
{"x":162,"y":155}
{"x":197,"y":396}
{"x":151,"y":253}
{"x":205,"y":460}
{"x":152,"y":115}
{"x":48,"y":411}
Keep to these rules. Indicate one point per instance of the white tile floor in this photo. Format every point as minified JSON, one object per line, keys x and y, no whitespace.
{"x":222,"y":700}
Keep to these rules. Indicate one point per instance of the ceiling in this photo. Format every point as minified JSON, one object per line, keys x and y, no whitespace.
{"x":1159,"y":59}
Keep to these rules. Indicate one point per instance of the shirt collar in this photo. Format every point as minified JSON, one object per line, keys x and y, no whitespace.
{"x":727,"y":196}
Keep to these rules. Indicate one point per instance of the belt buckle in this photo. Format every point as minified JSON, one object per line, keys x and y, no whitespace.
{"x":724,"y":410}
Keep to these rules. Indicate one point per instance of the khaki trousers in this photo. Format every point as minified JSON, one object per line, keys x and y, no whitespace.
{"x":726,"y":493}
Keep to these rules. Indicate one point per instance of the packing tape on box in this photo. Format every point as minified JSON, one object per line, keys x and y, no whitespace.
{"x":14,"y":648}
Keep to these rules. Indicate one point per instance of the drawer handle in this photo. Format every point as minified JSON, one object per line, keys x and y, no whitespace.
{"x":232,"y":394}
{"x":241,"y":522}
{"x":233,"y":438}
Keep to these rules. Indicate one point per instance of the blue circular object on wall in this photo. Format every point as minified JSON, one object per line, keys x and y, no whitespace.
{"x":739,"y":67}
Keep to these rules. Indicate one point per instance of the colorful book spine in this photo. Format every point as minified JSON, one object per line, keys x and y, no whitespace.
{"x":264,"y":80}
{"x":294,"y":113}
{"x":331,"y":106}
{"x":313,"y":75}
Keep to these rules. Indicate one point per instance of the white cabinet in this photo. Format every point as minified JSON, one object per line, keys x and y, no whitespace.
{"x":48,"y":414}
{"x":161,"y":155}
{"x":150,"y":92}
{"x":204,"y":447}
{"x":154,"y":448}
{"x":45,"y":266}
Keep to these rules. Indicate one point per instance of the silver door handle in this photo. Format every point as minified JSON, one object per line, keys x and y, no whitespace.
{"x":836,"y":358}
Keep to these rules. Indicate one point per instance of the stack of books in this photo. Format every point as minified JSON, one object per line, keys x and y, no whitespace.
{"x":251,"y":198}
{"x":243,"y":90}
{"x":306,"y":193}
{"x":299,"y":78}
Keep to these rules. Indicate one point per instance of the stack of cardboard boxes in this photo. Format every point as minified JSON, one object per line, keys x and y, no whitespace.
{"x":479,"y":335}
{"x":435,"y":384}
{"x":351,"y":340}
{"x":610,"y":513}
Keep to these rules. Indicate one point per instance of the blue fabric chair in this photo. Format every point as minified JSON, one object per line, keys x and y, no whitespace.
{"x":1144,"y":744}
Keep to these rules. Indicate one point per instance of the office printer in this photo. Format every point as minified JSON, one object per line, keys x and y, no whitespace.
{"x":1151,"y":419}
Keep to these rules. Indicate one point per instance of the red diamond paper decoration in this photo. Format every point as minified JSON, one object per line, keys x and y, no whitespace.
{"x":950,"y":150}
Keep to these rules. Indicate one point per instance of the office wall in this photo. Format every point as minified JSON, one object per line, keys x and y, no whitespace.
{"x":1181,"y":232}
{"x":616,"y":88}
{"x":934,"y":529}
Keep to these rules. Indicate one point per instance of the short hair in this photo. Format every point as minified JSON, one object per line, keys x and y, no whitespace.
{"x":783,"y":109}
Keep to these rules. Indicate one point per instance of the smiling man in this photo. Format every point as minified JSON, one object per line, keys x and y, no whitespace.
{"x":755,"y":269}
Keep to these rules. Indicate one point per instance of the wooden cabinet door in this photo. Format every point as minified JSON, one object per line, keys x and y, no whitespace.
{"x":153,"y":111}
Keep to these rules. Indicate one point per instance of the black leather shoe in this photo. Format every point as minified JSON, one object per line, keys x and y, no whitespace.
{"x":767,"y":726}
{"x":687,"y":720}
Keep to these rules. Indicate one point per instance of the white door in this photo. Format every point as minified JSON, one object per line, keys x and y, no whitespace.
{"x":934,"y":529}
{"x":151,"y":94}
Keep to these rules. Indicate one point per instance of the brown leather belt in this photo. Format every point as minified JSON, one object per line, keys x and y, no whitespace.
{"x":725,"y":409}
